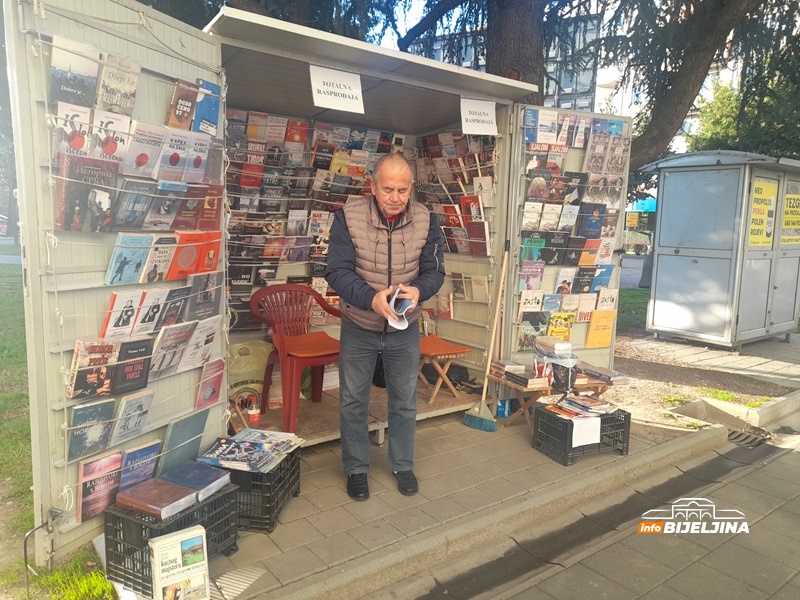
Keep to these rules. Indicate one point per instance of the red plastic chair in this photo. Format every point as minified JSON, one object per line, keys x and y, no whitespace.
{"x":287,"y":310}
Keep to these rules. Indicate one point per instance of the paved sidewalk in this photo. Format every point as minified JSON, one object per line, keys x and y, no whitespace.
{"x":595,"y":551}
{"x":474,"y":486}
{"x":774,"y":359}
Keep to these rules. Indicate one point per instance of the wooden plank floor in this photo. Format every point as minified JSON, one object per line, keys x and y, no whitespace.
{"x":318,"y":423}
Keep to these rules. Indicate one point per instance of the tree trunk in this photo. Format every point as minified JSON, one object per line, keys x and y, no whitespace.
{"x":713,"y":22}
{"x":515,"y":42}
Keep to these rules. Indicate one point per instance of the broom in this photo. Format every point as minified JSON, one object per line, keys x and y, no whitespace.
{"x":480,"y":416}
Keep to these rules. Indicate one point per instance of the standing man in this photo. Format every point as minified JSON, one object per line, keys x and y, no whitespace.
{"x":377,"y":244}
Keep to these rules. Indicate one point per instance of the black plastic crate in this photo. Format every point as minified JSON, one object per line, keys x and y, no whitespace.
{"x":127,"y":535}
{"x":262,"y":496}
{"x":552,"y":435}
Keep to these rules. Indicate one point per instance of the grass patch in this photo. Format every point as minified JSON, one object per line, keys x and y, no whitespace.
{"x":695,"y":425}
{"x":15,"y":430}
{"x":668,"y":415}
{"x":672,"y":400}
{"x":10,"y":250}
{"x":757,"y":402}
{"x":717,"y":394}
{"x":79,"y":579}
{"x":632,"y":311}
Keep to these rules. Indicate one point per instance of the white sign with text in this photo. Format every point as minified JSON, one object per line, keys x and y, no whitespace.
{"x":336,"y":89}
{"x":478,"y":117}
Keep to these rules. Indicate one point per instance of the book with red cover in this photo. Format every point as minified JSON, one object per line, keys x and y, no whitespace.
{"x":191,"y":205}
{"x":190,"y":245}
{"x":209,"y":252}
{"x":471,"y":208}
{"x":211,"y":213}
{"x":210,"y":388}
{"x":478,"y":232}
{"x":157,"y":498}
{"x":253,"y":167}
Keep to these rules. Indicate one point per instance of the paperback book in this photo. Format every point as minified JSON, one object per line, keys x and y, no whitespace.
{"x":130,"y":206}
{"x":73,"y":71}
{"x":131,"y":416}
{"x":121,"y":314}
{"x":138,"y":463}
{"x":132,"y":368}
{"x":181,"y":565}
{"x":164,"y":207}
{"x":182,"y":440}
{"x":98,"y":484}
{"x":128,"y":257}
{"x":149,"y":311}
{"x":156,"y":498}
{"x":83,"y":195}
{"x":170,"y":345}
{"x":144,"y":149}
{"x":90,"y":426}
{"x":211,"y":382}
{"x":71,"y":134}
{"x":182,"y":105}
{"x":89,"y":371}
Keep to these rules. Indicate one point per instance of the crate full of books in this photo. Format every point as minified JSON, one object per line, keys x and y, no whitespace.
{"x":561,"y":437}
{"x":265,"y":465}
{"x":127,"y":535}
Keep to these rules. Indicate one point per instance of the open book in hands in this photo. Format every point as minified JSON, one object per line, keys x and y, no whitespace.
{"x":399,"y":306}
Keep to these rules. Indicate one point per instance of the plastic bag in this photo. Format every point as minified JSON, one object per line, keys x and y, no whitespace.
{"x":560,"y":368}
{"x":246,"y":372}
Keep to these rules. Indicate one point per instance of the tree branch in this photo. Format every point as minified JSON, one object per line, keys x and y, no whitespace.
{"x":427,"y":22}
{"x":669,"y":110}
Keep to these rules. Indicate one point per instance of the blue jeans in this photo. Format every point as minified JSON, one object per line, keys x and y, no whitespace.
{"x":357,"y":356}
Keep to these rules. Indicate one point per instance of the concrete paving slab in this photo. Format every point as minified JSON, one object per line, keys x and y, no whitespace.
{"x":693,"y":582}
{"x":579,"y":583}
{"x":630,"y":569}
{"x":748,"y":567}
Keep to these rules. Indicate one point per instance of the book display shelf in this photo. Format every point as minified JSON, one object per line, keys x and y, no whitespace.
{"x":120,"y":172}
{"x":571,"y":181}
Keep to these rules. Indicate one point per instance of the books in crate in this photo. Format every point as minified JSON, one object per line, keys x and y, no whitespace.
{"x":571,"y":407}
{"x":251,"y":450}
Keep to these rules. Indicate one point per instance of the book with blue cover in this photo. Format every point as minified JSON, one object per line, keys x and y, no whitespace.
{"x":128,"y":258}
{"x":139,"y":463}
{"x":590,"y":220}
{"x":201,"y":477}
{"x":206,"y":112}
{"x":602,"y":277}
{"x":90,"y":428}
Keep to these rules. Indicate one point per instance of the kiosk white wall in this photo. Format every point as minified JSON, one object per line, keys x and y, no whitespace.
{"x":727,"y":247}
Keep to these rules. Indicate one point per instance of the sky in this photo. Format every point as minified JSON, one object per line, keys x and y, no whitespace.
{"x":404,"y":23}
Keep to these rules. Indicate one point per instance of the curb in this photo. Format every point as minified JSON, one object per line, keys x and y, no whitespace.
{"x":384,"y":567}
{"x":774,"y":410}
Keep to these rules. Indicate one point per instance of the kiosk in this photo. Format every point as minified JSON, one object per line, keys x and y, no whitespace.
{"x":727,"y":247}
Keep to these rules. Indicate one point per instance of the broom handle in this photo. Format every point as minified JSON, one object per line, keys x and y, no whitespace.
{"x":490,"y":349}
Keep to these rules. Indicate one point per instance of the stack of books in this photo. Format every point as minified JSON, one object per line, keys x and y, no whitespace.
{"x":499,"y":368}
{"x":585,"y":406}
{"x":553,"y":345}
{"x":527,"y":378}
{"x":253,"y":450}
{"x":602,"y":373}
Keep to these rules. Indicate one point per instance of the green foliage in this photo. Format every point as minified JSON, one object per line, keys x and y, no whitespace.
{"x":79,"y":579}
{"x":757,"y":402}
{"x":696,"y":425}
{"x":717,"y":394}
{"x":737,"y":121}
{"x":672,"y":400}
